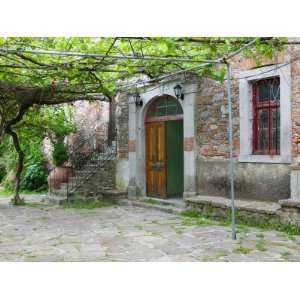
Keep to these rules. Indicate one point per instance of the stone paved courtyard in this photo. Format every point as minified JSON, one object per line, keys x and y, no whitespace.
{"x":39,"y":232}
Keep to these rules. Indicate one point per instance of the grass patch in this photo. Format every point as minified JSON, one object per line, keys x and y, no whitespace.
{"x":261,"y":245}
{"x":191,"y":213}
{"x":39,"y":192}
{"x":89,"y":203}
{"x":6,"y":192}
{"x":242,"y":250}
{"x":221,"y":254}
{"x":285,"y":254}
{"x":198,"y":222}
{"x":193,"y":218}
{"x":242,"y":229}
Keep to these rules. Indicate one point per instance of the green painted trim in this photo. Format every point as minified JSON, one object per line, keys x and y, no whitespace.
{"x":174,"y":146}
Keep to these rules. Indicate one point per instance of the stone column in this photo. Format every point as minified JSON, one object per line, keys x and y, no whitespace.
{"x":132,"y":190}
{"x":189,"y":143}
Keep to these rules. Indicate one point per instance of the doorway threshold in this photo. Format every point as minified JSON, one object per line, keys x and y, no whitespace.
{"x":164,"y":205}
{"x":176,"y":201}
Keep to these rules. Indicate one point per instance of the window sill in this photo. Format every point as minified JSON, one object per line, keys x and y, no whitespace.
{"x":269,"y":159}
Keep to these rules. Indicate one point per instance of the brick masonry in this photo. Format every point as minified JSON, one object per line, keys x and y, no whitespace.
{"x":131,"y":146}
{"x":189,"y":144}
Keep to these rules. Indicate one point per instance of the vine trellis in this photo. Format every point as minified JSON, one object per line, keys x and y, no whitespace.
{"x":48,"y":71}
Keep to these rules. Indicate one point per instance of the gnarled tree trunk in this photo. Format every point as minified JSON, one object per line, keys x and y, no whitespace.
{"x":16,"y":200}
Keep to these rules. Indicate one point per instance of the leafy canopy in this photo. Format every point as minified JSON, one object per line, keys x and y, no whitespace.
{"x":105,"y":74}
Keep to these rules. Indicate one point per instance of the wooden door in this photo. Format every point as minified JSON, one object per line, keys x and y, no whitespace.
{"x":156,"y":165}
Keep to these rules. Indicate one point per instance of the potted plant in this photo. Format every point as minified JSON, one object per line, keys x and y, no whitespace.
{"x":61,"y":172}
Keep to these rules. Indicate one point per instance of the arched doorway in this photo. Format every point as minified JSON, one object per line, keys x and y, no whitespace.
{"x":164,"y":148}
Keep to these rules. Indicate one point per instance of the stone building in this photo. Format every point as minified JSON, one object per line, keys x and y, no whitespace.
{"x":185,"y":141}
{"x":175,"y":147}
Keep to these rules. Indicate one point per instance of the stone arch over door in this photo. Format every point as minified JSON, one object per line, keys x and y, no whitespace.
{"x":136,"y":142}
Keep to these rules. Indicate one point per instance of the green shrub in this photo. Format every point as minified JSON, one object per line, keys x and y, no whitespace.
{"x":60,"y":154}
{"x":8,"y":181}
{"x":2,"y":172}
{"x":34,"y":177}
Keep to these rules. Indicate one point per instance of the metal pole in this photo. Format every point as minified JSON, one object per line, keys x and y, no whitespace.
{"x":231,"y":169}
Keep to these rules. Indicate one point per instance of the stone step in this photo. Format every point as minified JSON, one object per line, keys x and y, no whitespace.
{"x":164,"y":208}
{"x":250,"y":205}
{"x":176,"y":202}
{"x":259,"y":211}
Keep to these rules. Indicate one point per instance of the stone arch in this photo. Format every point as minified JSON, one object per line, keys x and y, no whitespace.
{"x":137,"y":115}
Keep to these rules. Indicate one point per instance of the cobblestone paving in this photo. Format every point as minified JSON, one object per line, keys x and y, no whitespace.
{"x":38,"y":232}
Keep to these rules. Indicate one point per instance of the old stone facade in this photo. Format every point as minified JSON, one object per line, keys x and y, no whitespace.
{"x":205,"y":118}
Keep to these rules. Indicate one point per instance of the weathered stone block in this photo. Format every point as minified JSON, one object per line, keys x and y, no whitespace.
{"x":295,"y":183}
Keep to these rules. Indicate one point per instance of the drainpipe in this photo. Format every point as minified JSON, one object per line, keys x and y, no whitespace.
{"x":231,"y":167}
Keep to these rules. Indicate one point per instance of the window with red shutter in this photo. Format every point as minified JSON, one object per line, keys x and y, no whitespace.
{"x":266,"y":116}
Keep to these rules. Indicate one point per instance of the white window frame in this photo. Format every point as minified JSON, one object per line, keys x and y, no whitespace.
{"x":283,"y":71}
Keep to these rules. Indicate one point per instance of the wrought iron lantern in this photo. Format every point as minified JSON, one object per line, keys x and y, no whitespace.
{"x":178,"y":91}
{"x":137,"y":99}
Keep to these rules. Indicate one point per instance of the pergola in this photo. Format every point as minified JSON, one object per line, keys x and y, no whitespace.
{"x":66,"y":75}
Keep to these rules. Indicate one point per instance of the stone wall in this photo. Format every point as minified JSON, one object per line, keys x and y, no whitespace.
{"x":122,"y":110}
{"x":212,"y":119}
{"x":265,"y":181}
{"x":294,"y":53}
{"x":252,"y":180}
{"x":104,"y":179}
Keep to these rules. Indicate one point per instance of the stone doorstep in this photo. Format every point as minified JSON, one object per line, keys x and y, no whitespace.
{"x":163,"y":208}
{"x":289,"y":203}
{"x":270,"y":208}
{"x":179,"y":203}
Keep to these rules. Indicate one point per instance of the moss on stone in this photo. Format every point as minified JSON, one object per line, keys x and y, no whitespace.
{"x":243,"y":217}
